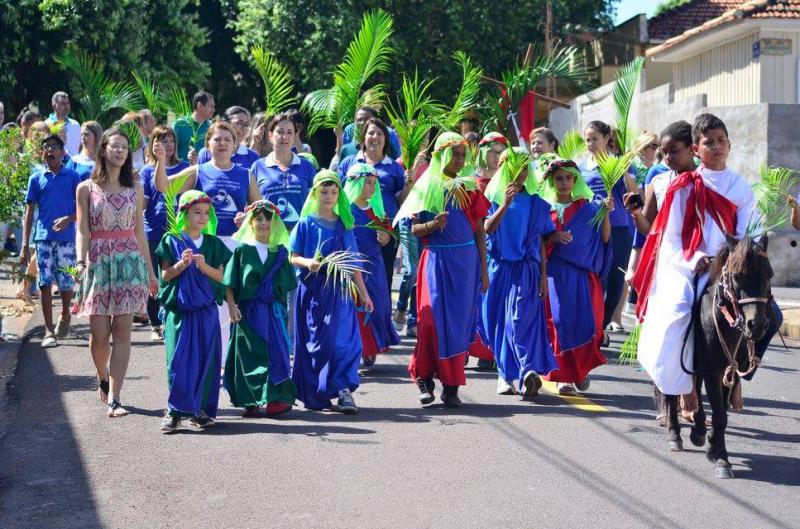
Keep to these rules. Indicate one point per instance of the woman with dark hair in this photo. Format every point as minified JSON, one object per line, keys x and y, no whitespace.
{"x":394,"y":181}
{"x":155,"y":210}
{"x":244,"y":156}
{"x":119,"y":271}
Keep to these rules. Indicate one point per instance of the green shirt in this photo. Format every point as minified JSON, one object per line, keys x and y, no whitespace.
{"x":183,"y":132}
{"x":244,"y":272}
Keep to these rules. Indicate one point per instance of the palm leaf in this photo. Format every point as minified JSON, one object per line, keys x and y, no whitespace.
{"x":279,"y":92}
{"x":572,"y":146}
{"x":367,"y":54}
{"x":467,"y":95}
{"x":411,"y":117}
{"x":340,"y":269}
{"x":150,"y":94}
{"x":72,"y":271}
{"x":177,"y":103}
{"x":456,"y":190}
{"x":378,"y":226}
{"x":132,"y":132}
{"x":611,"y":169}
{"x":629,"y":352}
{"x":170,"y":199}
{"x":771,"y":192}
{"x":625,"y":86}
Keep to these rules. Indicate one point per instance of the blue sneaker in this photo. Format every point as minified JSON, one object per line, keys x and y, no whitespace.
{"x":346,"y":403}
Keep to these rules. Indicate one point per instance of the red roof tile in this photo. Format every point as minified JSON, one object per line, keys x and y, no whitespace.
{"x":688,"y":16}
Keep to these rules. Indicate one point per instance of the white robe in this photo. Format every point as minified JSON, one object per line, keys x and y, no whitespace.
{"x":669,"y":305}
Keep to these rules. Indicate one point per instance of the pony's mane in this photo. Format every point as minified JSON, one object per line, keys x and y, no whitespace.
{"x":745,"y":258}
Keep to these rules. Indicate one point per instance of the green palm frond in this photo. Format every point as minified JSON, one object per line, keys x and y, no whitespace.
{"x":170,"y":202}
{"x":625,"y":87}
{"x":132,"y":132}
{"x":411,"y":118}
{"x":467,"y":97}
{"x":771,"y":192}
{"x":572,"y":146}
{"x":150,"y":94}
{"x":177,"y":103}
{"x":516,"y":161}
{"x":611,"y":169}
{"x":367,"y":54}
{"x":456,"y":190}
{"x":72,"y":271}
{"x":279,"y":92}
{"x":379,"y":226}
{"x":340,"y":269}
{"x":566,"y":63}
{"x":99,"y":95}
{"x":410,"y":245}
{"x":629,"y":352}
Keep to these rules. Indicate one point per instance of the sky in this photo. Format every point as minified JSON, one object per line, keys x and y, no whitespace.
{"x":628,"y":8}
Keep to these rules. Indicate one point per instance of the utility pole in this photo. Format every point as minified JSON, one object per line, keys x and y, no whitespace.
{"x":550,"y":84}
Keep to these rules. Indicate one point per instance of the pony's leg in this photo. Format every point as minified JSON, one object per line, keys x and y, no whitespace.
{"x":698,"y":435}
{"x":673,"y":424}
{"x":716,"y":452}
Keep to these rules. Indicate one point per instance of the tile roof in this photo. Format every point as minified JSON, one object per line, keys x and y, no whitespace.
{"x":733,"y":11}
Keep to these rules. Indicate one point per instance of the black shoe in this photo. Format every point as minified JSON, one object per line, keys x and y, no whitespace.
{"x":486,"y":365}
{"x":450,"y":397}
{"x":426,"y":387}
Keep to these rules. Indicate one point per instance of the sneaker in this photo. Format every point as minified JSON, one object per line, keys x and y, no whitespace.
{"x":369,"y":361}
{"x":156,"y":335}
{"x":278,"y":408}
{"x":170,"y":424}
{"x":399,"y":318}
{"x":450,"y":397}
{"x":411,"y":332}
{"x":49,"y":341}
{"x":504,"y":388}
{"x":62,"y":328}
{"x":426,"y":387}
{"x":615,"y":327}
{"x":566,"y":388}
{"x":346,"y":403}
{"x":202,"y":422}
{"x":531,"y":382}
{"x":583,"y":386}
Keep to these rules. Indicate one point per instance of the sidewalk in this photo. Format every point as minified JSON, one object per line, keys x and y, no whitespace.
{"x":789,"y":301}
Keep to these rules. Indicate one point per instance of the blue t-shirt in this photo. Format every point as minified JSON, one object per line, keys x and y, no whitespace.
{"x":228,"y":192}
{"x":391,"y":178}
{"x":54,"y":194}
{"x":519,"y":234}
{"x":243,"y":157}
{"x":654,"y":171}
{"x":84,"y":170}
{"x":155,"y":213}
{"x":620,"y":216}
{"x":287,"y":190}
{"x":394,"y":140}
{"x":313,"y":232}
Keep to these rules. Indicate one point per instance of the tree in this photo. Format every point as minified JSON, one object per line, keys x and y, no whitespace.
{"x":156,"y":37}
{"x":668,"y":5}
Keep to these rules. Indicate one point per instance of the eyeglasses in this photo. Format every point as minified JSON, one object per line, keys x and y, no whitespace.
{"x":117,"y":147}
{"x":51,"y":147}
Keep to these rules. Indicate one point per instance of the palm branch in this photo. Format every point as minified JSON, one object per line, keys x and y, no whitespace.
{"x":565,"y":62}
{"x":340,"y":268}
{"x":771,"y":192}
{"x":625,"y":86}
{"x":132,"y":132}
{"x":367,"y":54}
{"x":150,"y":94}
{"x":629,"y":351}
{"x":411,"y":118}
{"x":99,"y":94}
{"x":572,"y":146}
{"x":170,"y":197}
{"x":279,"y":92}
{"x":611,"y":169}
{"x":467,"y":95}
{"x":456,"y":190}
{"x":177,"y":103}
{"x":72,"y":271}
{"x":378,"y":226}
{"x":516,"y":161}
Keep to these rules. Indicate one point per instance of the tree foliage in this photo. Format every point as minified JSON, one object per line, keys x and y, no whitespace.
{"x":668,"y":5}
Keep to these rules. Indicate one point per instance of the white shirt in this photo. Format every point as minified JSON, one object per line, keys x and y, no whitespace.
{"x":263,"y":251}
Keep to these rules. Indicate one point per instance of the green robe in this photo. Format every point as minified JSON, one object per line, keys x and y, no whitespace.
{"x":247,"y":376}
{"x":216,"y":255}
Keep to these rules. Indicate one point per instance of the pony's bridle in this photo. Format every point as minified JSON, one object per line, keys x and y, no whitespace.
{"x":725,"y":294}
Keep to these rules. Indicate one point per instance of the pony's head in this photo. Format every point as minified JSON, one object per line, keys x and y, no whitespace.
{"x":743,"y":273}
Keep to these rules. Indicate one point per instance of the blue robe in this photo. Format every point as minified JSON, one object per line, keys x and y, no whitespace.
{"x":327,"y":340}
{"x":379,"y":321}
{"x":512,"y":313}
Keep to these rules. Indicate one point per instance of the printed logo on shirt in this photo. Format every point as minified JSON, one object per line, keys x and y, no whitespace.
{"x":288,"y":212}
{"x":222,"y":201}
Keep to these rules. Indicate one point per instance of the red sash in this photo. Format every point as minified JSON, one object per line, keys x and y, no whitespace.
{"x":701,"y":199}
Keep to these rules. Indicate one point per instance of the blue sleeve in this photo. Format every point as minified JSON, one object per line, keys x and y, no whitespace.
{"x":398,"y":177}
{"x":394,"y":145}
{"x":203,"y":156}
{"x":350,"y":241}
{"x":343,"y":167}
{"x":144,"y":177}
{"x":347,"y":135}
{"x":33,"y":189}
{"x":297,"y":237}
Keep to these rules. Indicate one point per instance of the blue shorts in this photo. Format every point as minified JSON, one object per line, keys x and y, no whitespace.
{"x":51,"y":257}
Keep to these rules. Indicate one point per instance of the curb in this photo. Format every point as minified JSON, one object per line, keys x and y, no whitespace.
{"x":791,"y":323}
{"x":9,"y":355}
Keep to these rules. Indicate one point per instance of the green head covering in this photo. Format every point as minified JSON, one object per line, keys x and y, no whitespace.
{"x":311,"y":158}
{"x":580,"y":190}
{"x":354,"y":185}
{"x":278,"y":234}
{"x":517,"y":160}
{"x":189,"y":199}
{"x":429,"y":193}
{"x":342,"y":207}
{"x":486,"y":143}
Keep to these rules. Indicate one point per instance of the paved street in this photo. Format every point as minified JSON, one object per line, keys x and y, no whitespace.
{"x":497,"y":462}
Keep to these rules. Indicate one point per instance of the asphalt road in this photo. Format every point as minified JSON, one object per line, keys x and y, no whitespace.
{"x":497,"y":462}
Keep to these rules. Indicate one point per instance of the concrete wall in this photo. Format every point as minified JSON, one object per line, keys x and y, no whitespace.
{"x":758,"y":132}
